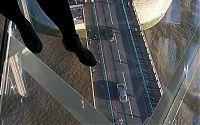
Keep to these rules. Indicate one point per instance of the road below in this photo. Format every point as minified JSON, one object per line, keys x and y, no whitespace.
{"x":112,"y":44}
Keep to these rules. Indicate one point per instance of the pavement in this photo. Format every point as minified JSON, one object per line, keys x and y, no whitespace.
{"x":110,"y":40}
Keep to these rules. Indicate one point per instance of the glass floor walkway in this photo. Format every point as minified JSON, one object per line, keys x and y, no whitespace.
{"x":53,"y":88}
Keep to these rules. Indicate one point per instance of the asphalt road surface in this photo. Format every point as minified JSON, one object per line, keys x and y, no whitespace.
{"x":111,"y":42}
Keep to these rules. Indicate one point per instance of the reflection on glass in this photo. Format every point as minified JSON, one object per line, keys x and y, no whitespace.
{"x":18,"y":76}
{"x":26,"y":102}
{"x":189,"y":112}
{"x":173,"y":14}
{"x":196,"y":17}
{"x":167,"y":40}
{"x":167,"y":50}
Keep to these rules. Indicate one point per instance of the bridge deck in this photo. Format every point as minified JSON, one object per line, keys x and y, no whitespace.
{"x":123,"y":57}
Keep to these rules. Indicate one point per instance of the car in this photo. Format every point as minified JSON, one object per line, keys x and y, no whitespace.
{"x":122,"y":92}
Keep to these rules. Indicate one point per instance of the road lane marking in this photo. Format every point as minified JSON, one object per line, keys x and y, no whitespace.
{"x":119,"y":56}
{"x":124,"y":78}
{"x":110,"y":12}
{"x":111,"y":19}
{"x":108,"y":5}
{"x":129,"y":103}
{"x":115,"y":37}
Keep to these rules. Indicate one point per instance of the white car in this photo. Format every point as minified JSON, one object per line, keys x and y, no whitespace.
{"x":122,"y":92}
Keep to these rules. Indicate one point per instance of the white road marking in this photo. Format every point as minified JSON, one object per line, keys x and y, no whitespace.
{"x":119,"y":56}
{"x":115,"y":37}
{"x":110,"y":13}
{"x":111,"y":19}
{"x":124,"y":78}
{"x":108,"y":5}
{"x":129,"y":103}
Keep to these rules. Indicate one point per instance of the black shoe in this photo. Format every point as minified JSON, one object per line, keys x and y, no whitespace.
{"x":31,"y":40}
{"x":83,"y":54}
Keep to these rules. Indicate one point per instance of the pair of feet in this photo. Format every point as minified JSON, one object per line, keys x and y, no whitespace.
{"x":34,"y":44}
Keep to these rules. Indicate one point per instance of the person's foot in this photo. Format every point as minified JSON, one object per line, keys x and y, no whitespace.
{"x":83,"y":54}
{"x":31,"y":40}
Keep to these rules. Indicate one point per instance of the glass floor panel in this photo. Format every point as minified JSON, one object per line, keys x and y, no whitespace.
{"x":111,"y":30}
